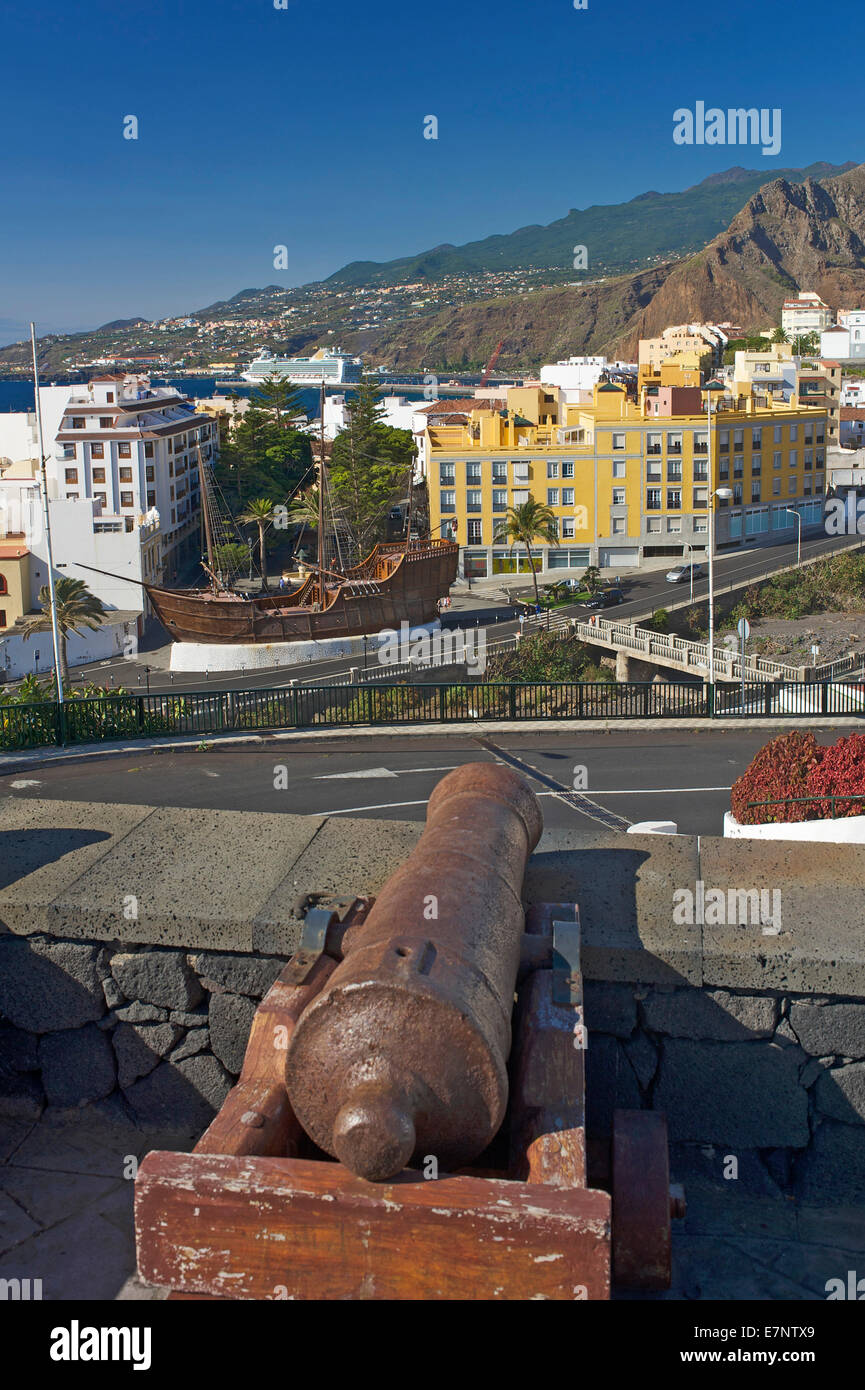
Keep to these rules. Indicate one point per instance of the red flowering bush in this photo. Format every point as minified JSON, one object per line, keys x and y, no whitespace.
{"x":841,"y":770}
{"x":796,"y":765}
{"x":781,"y":769}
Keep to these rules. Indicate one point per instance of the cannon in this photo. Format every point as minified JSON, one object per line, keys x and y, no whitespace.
{"x":409,"y":1120}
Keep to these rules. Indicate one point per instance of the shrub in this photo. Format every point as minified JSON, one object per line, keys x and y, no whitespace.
{"x":841,"y":770}
{"x":781,"y":769}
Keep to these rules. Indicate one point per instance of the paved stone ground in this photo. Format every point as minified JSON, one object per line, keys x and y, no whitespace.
{"x":66,"y":1218}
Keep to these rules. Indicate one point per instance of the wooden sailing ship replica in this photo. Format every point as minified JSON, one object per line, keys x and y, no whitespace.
{"x":397,"y":582}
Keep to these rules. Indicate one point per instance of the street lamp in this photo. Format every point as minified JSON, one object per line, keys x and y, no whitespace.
{"x":712,"y":388}
{"x":798,"y":515}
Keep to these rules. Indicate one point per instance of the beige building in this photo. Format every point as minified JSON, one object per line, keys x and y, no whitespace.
{"x":14,"y":581}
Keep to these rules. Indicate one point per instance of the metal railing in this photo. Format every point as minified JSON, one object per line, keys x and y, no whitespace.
{"x":120,"y":717}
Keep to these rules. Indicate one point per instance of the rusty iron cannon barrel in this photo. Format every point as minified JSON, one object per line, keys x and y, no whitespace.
{"x":404,"y":1052}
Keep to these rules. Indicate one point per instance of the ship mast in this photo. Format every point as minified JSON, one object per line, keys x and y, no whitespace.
{"x":205,"y":512}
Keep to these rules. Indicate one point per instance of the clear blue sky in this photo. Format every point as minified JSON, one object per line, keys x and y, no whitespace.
{"x":303,"y":126}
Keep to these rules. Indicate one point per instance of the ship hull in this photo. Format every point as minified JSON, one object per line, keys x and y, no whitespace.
{"x":395,"y":584}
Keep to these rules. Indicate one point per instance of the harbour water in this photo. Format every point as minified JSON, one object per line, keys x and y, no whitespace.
{"x":18,"y":394}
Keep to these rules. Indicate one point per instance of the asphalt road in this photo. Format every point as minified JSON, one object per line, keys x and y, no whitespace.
{"x":646,"y":591}
{"x":626,"y":777}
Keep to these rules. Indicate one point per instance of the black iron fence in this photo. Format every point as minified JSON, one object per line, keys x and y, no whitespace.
{"x":118,"y":717}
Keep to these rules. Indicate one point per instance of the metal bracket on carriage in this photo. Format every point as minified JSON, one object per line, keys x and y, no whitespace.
{"x":325,"y":922}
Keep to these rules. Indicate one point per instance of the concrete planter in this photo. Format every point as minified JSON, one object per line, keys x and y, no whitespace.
{"x":849,"y":830}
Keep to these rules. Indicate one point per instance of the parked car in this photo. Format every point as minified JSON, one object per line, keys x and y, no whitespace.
{"x":681,"y":573}
{"x":607,"y":598}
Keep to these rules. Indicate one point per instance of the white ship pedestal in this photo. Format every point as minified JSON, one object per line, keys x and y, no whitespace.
{"x":191,"y":657}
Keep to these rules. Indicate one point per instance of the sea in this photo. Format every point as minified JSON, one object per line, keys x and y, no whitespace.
{"x":18,"y":394}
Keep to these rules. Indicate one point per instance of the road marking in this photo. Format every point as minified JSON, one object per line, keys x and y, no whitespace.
{"x":388,"y":805}
{"x":19,"y":786}
{"x":583,"y":804}
{"x":654,"y":791}
{"x":346,"y":776}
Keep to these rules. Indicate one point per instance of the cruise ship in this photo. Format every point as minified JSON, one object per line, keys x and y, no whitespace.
{"x":329,"y":366}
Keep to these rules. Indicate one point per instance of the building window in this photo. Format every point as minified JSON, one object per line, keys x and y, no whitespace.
{"x":521,"y":472}
{"x":701,"y":442}
{"x":109,"y":396}
{"x":738,"y":439}
{"x":792,"y":485}
{"x":148,"y":449}
{"x":448,"y":501}
{"x":619,"y":497}
{"x":125,"y":475}
{"x":794,"y":433}
{"x":701,"y":471}
{"x":653,"y":472}
{"x":618,"y":441}
{"x":500,"y":499}
{"x":105,"y":422}
{"x":756,"y":467}
{"x":567,"y":527}
{"x":619,"y":468}
{"x":124,"y":450}
{"x":674,"y":524}
{"x":776,"y":487}
{"x":126,"y":499}
{"x":674,"y":470}
{"x":99,"y":475}
{"x":71,"y":475}
{"x":809,"y":460}
{"x":618,"y":526}
{"x":149,"y":472}
{"x":567,"y":496}
{"x":567,"y":469}
{"x":653,"y":499}
{"x":97,"y":451}
{"x":446,"y":473}
{"x":78,"y":422}
{"x":724,"y":469}
{"x":724,"y":441}
{"x":500,"y":472}
{"x":520,"y":498}
{"x":755,"y":490}
{"x":473,"y":472}
{"x":653,"y":444}
{"x":738,"y":465}
{"x":756,"y":439}
{"x":737,"y":494}
{"x":794,"y":458}
{"x":475,"y":532}
{"x":674,"y":443}
{"x":552,"y":496}
{"x":72,"y":497}
{"x":674,"y":499}
{"x":701,"y":524}
{"x":776,"y":460}
{"x":474,"y":500}
{"x":779,"y":433}
{"x":700,"y":499}
{"x":653,"y":524}
{"x":552,"y":469}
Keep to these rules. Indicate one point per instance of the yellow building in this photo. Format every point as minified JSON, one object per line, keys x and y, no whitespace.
{"x":627,"y":477}
{"x":14,"y":581}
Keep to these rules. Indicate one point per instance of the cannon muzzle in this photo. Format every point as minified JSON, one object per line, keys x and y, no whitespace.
{"x":403,"y":1054}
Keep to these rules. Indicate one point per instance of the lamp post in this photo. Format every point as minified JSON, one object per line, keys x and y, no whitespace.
{"x":798,"y":516}
{"x":711,"y":388}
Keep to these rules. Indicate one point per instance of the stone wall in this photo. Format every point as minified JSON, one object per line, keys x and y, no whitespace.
{"x":135,"y":944}
{"x":772,"y":1077}
{"x":164,"y":1030}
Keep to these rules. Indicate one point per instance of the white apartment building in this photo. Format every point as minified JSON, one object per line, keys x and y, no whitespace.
{"x":123,"y":485}
{"x":846,"y":339}
{"x":578,"y":375}
{"x":853,"y":392}
{"x":807,"y":313}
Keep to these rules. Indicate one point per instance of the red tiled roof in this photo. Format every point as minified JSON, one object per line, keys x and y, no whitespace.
{"x":852,"y":412}
{"x":461,"y":406}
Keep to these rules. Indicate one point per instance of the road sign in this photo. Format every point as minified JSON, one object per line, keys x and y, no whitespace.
{"x":743,"y":627}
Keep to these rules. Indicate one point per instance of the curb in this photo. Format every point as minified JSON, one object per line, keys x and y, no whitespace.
{"x":95,"y":752}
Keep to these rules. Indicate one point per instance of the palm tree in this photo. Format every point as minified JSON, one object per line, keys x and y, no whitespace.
{"x":528,"y":522}
{"x":260,"y":512}
{"x":592,"y":578}
{"x":779,"y":336}
{"x":76,"y":608}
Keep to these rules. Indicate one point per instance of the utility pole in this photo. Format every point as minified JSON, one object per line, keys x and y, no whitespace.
{"x":46,"y":519}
